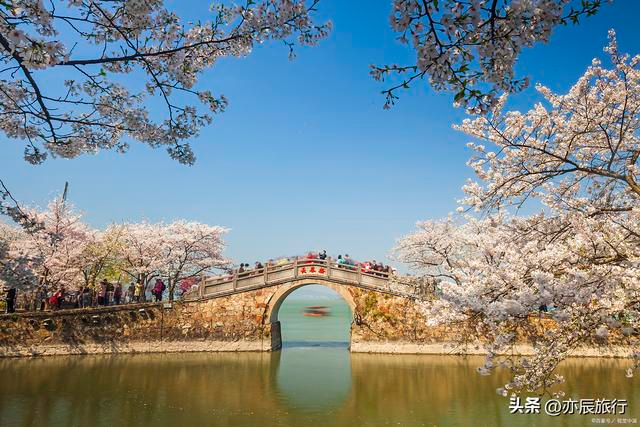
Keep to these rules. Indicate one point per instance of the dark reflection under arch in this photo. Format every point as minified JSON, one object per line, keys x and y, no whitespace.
{"x":314,"y":379}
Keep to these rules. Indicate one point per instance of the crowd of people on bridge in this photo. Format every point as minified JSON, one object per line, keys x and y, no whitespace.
{"x":105,"y":293}
{"x":341,"y":261}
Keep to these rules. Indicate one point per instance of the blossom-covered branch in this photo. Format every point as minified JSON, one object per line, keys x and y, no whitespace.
{"x":499,"y":272}
{"x":579,"y":259}
{"x":470,"y":47}
{"x":9,"y":206}
{"x":63,"y":88}
{"x":577,"y":151}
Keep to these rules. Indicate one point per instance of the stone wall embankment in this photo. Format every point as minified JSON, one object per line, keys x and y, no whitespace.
{"x":386,"y":323}
{"x":232,"y":323}
{"x":246,"y":321}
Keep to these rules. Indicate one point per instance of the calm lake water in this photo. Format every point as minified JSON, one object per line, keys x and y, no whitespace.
{"x":313,"y":381}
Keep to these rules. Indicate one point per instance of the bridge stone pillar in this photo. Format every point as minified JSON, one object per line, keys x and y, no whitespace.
{"x":276,"y":336}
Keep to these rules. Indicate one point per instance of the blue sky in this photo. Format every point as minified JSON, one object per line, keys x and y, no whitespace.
{"x":305,"y":158}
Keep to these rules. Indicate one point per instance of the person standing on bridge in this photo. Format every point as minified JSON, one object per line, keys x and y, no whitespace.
{"x":117,"y":293}
{"x":10,"y":300}
{"x":53,"y":301}
{"x":41,"y":298}
{"x":129,"y":296}
{"x":323,"y":255}
{"x":348,"y":261}
{"x":137,"y":293}
{"x":158,"y":289}
{"x":102,"y":292}
{"x":56,"y":300}
{"x":86,"y":297}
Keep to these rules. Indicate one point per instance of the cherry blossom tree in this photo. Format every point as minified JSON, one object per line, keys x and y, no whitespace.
{"x":53,"y":252}
{"x":64,"y":89}
{"x":14,"y":268}
{"x":174,"y":251}
{"x":497,"y":271}
{"x":577,"y":154}
{"x":65,"y":252}
{"x":140,"y":250}
{"x":99,"y":256}
{"x":471,"y":47}
{"x":190,"y":248}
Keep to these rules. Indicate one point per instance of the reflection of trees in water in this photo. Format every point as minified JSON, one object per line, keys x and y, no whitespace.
{"x":419,"y":387}
{"x":441,"y":389}
{"x":135,"y":389}
{"x":600,"y":378}
{"x":241,"y":389}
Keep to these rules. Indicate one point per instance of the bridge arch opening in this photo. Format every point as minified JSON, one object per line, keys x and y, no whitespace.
{"x":294,"y":334}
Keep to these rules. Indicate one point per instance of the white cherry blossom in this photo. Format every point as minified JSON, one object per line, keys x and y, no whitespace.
{"x":577,"y":154}
{"x":471,"y":47}
{"x":62,"y":84}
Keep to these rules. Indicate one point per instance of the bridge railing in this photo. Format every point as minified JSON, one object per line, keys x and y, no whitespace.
{"x":282,"y":272}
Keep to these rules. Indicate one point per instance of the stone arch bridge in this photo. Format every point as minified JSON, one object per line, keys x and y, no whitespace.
{"x":261,"y":293}
{"x":236,"y":312}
